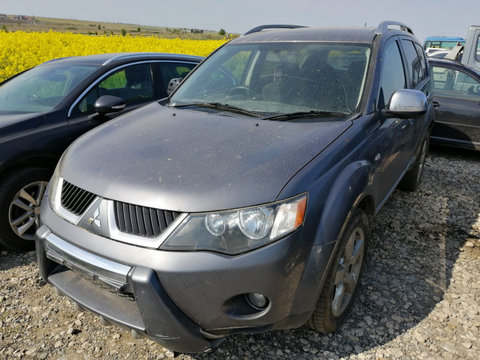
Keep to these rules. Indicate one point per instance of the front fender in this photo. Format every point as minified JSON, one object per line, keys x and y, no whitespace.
{"x":349,"y":188}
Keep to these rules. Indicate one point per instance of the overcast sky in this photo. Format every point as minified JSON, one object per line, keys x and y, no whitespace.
{"x":425,"y":17}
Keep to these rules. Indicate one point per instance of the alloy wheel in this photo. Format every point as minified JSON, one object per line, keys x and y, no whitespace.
{"x":24,"y":209}
{"x":348,"y":271}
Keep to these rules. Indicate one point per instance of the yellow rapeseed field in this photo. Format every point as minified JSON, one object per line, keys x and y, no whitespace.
{"x":22,"y":50}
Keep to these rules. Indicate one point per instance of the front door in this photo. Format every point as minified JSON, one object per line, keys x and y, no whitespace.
{"x":457,"y":112}
{"x":133,"y":83}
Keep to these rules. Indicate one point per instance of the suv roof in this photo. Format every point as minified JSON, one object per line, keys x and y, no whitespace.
{"x":279,"y":33}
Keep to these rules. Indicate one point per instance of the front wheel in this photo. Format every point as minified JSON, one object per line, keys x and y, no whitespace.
{"x":344,"y":276}
{"x":21,"y":193}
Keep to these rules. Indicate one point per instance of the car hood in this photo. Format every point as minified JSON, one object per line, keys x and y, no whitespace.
{"x":194,"y":161}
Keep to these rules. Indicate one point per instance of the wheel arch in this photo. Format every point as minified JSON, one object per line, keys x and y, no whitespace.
{"x":46,"y":161}
{"x":351,"y":189}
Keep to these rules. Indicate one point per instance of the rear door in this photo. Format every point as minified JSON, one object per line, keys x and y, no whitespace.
{"x":164,"y":71}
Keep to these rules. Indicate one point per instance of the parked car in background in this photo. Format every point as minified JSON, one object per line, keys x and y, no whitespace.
{"x":44,"y":109}
{"x":471,"y":51}
{"x":467,"y":51}
{"x":442,"y":42}
{"x":438,"y":54}
{"x":244,"y":202}
{"x":456,"y":90}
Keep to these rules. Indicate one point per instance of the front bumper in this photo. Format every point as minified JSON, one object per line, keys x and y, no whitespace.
{"x":187,"y":301}
{"x":152,"y":310}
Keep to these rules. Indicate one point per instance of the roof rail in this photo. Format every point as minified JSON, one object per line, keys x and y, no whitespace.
{"x":384,"y":26}
{"x":276,"y":26}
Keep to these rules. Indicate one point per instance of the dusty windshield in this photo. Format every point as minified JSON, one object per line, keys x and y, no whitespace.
{"x":280,"y":78}
{"x":42,"y":88}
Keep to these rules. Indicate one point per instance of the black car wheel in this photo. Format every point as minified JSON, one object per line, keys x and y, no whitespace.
{"x":411,"y":180}
{"x":344,"y":276}
{"x":21,"y":193}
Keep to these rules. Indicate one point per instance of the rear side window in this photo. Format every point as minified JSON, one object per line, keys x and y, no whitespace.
{"x":423,"y":62}
{"x":477,"y":54}
{"x":415,"y":65}
{"x":392,"y":76}
{"x":171,"y":70}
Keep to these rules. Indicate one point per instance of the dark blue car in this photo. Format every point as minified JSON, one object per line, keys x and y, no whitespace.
{"x":244,"y":202}
{"x":44,"y":109}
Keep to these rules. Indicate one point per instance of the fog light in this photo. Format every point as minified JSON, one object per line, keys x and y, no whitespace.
{"x":258,"y":301}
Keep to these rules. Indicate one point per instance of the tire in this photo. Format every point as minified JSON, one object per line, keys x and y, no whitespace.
{"x":344,"y":275}
{"x":411,"y":180}
{"x":21,"y":193}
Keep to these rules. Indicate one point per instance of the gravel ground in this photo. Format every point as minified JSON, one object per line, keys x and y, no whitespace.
{"x":419,"y":297}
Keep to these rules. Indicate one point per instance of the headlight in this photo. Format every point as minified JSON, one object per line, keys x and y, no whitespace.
{"x":236,"y":231}
{"x":53,"y":188}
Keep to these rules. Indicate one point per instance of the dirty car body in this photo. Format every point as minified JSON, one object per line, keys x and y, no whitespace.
{"x":244,"y":202}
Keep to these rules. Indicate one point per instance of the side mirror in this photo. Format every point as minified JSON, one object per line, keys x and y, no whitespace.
{"x":106,"y":104}
{"x":406,"y":103}
{"x":173,"y":84}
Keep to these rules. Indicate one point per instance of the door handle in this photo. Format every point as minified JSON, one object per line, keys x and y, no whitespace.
{"x":435,"y":104}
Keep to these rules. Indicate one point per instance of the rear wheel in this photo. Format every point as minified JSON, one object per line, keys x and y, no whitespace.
{"x":341,"y":285}
{"x":21,"y":194}
{"x":411,"y":180}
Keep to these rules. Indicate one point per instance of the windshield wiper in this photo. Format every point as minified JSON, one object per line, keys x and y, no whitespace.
{"x":304,"y":114}
{"x":219,"y":106}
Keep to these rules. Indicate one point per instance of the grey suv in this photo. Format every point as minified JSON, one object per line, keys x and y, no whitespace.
{"x":244,"y":202}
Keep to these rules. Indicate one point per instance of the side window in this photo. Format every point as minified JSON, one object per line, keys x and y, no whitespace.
{"x":477,"y":54}
{"x":413,"y":62}
{"x":455,"y":84}
{"x":133,"y":84}
{"x":392,"y":75}
{"x":423,"y":62}
{"x":174,"y":70}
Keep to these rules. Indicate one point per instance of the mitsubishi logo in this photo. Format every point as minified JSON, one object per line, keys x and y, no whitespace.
{"x":94,"y":219}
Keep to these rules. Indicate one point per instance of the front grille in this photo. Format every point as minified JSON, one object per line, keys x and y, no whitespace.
{"x":142,"y":221}
{"x":74,"y":199}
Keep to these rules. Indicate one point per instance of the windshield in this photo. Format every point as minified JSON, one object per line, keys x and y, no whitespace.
{"x":280,"y":78}
{"x":41,"y":88}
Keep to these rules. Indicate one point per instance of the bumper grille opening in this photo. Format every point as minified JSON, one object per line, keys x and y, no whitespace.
{"x":124,"y":292}
{"x":142,"y":221}
{"x":74,"y":199}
